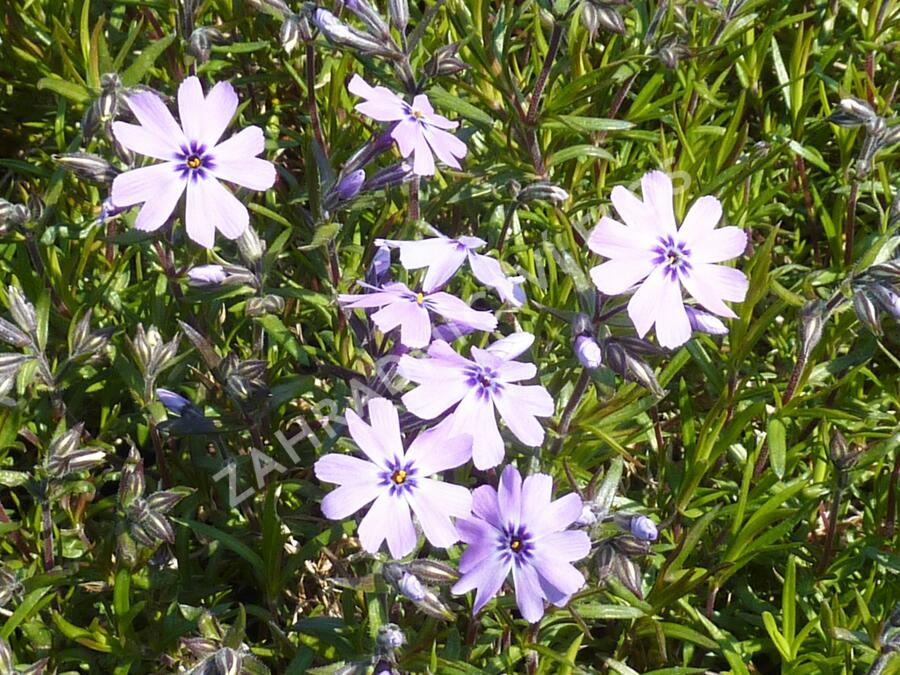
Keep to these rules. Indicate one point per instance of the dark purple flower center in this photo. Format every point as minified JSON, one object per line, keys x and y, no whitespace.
{"x":484,"y":380}
{"x":399,"y":478}
{"x":194,"y":161}
{"x":516,"y":543}
{"x":674,"y":255}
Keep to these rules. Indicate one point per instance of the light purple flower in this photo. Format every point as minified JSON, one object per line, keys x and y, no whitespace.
{"x":417,"y":130}
{"x":518,"y":528}
{"x":409,"y":310}
{"x":443,"y":256}
{"x":395,"y":481}
{"x":644,"y":528}
{"x":172,"y":401}
{"x":479,"y":387}
{"x":207,"y":275}
{"x":650,"y":251}
{"x":194,"y":160}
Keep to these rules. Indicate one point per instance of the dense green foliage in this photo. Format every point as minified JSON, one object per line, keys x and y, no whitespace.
{"x":778,"y":540}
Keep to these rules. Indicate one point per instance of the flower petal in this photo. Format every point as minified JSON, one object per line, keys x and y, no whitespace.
{"x":488,"y":576}
{"x":158,"y":186}
{"x":446,"y":146}
{"x":248,"y":142}
{"x":368,"y":440}
{"x":700,"y":221}
{"x":636,"y":215}
{"x":731,"y":284}
{"x":435,"y":450}
{"x":556,"y":516}
{"x":218,"y":109}
{"x":433,"y":503}
{"x":348,"y":499}
{"x":138,"y":139}
{"x":568,"y":546}
{"x":617,"y":276}
{"x":489,"y":272}
{"x":423,"y":161}
{"x":512,"y":345}
{"x":719,"y":245}
{"x":612,"y":239}
{"x":401,"y":533}
{"x":562,"y":576}
{"x":673,"y":328}
{"x":537,"y":491}
{"x":210,"y":207}
{"x":477,"y":412}
{"x":413,"y":319}
{"x":433,"y":397}
{"x":382,"y":104}
{"x":529,"y":597}
{"x":155,"y":117}
{"x":645,"y":303}
{"x":518,"y":405}
{"x":481,"y":538}
{"x":191,"y":108}
{"x":509,"y":496}
{"x":406,"y":133}
{"x":386,"y":426}
{"x":706,"y":294}
{"x":453,"y":309}
{"x":656,"y":189}
{"x":344,"y":469}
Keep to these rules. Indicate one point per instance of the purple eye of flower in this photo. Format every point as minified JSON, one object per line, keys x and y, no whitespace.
{"x":516,"y":542}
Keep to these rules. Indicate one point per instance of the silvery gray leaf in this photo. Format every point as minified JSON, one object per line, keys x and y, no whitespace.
{"x":12,"y":335}
{"x":228,"y":661}
{"x":157,"y":526}
{"x":164,"y":501}
{"x":67,"y":442}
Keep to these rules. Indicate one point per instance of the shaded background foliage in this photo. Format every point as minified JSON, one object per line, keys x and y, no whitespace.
{"x":778,"y":538}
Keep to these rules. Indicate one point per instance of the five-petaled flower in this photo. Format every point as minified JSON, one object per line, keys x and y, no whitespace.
{"x":396,"y":481}
{"x":479,"y":386}
{"x":649,"y":249}
{"x":417,"y":129}
{"x":443,"y":256}
{"x":194,"y":160}
{"x":519,"y":528}
{"x":409,"y":309}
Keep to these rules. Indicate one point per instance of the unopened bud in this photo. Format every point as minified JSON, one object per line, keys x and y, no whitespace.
{"x":581,"y":324}
{"x":268,"y":304}
{"x":867,"y":312}
{"x":389,"y":177}
{"x":87,"y":166}
{"x":887,"y":298}
{"x":250,"y":246}
{"x":369,"y":16}
{"x":704,"y":322}
{"x":543,"y":191}
{"x":433,"y":571}
{"x":444,"y":61}
{"x":346,"y":188}
{"x":290,"y":32}
{"x":399,"y":13}
{"x":589,"y":353}
{"x":811,"y":324}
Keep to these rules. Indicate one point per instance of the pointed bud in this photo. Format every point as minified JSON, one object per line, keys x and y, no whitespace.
{"x":812,"y":322}
{"x":444,"y":61}
{"x":703,"y":322}
{"x":165,"y":500}
{"x":290,"y":33}
{"x":269,"y":304}
{"x":581,"y":325}
{"x":158,"y":527}
{"x":433,"y":571}
{"x":342,"y":35}
{"x":389,"y":177}
{"x":644,"y":528}
{"x":369,"y":16}
{"x":250,"y":246}
{"x":631,"y":546}
{"x":610,"y":20}
{"x":887,"y":298}
{"x":346,"y":188}
{"x":131,"y":485}
{"x":543,"y":191}
{"x":411,"y":587}
{"x":399,"y":13}
{"x":380,"y":265}
{"x":90,"y":122}
{"x":13,"y":214}
{"x":87,"y":166}
{"x":867,"y":312}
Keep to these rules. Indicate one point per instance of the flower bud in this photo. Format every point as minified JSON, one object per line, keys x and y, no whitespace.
{"x":703,"y":322}
{"x":269,"y":304}
{"x":589,"y":353}
{"x":250,"y":246}
{"x":587,"y":517}
{"x":369,"y":16}
{"x":90,"y":121}
{"x":411,"y":587}
{"x":433,"y":571}
{"x":389,"y":639}
{"x":398,"y":10}
{"x":87,"y":166}
{"x":206,"y":275}
{"x":346,"y":188}
{"x":378,"y":268}
{"x":630,"y":546}
{"x":389,"y":177}
{"x":13,"y":214}
{"x":867,"y":312}
{"x":342,"y":35}
{"x":200,"y":41}
{"x":811,"y":324}
{"x":887,"y":298}
{"x":131,"y":485}
{"x":581,"y":324}
{"x":609,"y":20}
{"x":290,"y":32}
{"x":173,"y":402}
{"x":22,"y":311}
{"x":445,"y":62}
{"x":228,"y":662}
{"x":543,"y":191}
{"x":644,"y":528}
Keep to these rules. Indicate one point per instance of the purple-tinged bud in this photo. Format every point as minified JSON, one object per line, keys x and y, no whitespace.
{"x":173,"y":402}
{"x":380,"y":265}
{"x":704,"y":322}
{"x":207,"y":275}
{"x":887,"y":298}
{"x":87,"y":166}
{"x":389,"y":638}
{"x":389,"y":177}
{"x":450,"y":331}
{"x":411,"y":587}
{"x":589,"y":353}
{"x":399,"y":13}
{"x":644,"y":528}
{"x":867,"y":312}
{"x":108,"y":210}
{"x":369,"y":16}
{"x":346,"y":188}
{"x":343,"y":35}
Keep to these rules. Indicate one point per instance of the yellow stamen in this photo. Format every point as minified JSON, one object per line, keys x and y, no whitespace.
{"x":194,"y":162}
{"x":420,"y":297}
{"x":515,"y":544}
{"x":399,"y":477}
{"x":417,"y":114}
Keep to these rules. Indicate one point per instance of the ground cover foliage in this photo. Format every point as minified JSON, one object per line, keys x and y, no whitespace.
{"x":767,"y":456}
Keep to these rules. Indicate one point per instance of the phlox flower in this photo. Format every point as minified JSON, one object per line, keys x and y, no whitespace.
{"x":519,"y":528}
{"x":479,"y":387}
{"x":409,"y":310}
{"x":649,"y":250}
{"x":443,"y":256}
{"x":395,"y":481}
{"x":193,"y":161}
{"x":417,"y":130}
